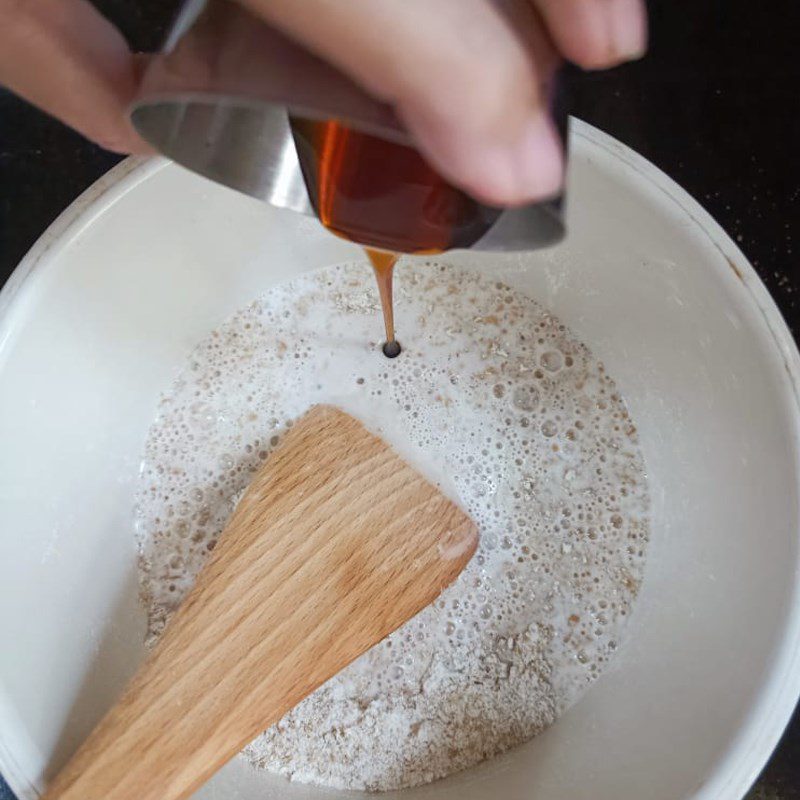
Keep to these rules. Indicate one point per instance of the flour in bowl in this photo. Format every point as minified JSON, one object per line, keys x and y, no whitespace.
{"x":499,"y":404}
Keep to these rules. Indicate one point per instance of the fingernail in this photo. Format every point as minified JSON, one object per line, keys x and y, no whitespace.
{"x":529,"y":168}
{"x":628,"y":29}
{"x":538,"y":161}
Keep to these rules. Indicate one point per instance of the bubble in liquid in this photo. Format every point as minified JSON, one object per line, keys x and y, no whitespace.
{"x":226,"y":461}
{"x":549,"y":428}
{"x":552,"y":360}
{"x":526,"y":398}
{"x":203,"y":415}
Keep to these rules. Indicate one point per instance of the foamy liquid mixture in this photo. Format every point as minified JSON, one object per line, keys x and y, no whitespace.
{"x":495,"y":401}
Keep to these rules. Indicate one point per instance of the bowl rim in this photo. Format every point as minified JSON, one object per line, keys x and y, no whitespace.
{"x":739,"y":767}
{"x":736,"y":770}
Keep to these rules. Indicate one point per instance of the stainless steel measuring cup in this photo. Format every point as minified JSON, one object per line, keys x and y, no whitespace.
{"x":217,"y":98}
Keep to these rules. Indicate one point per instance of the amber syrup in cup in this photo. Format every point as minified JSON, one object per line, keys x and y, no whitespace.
{"x":385,"y":196}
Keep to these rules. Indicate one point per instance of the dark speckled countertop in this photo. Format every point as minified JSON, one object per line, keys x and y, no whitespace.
{"x":716,"y":105}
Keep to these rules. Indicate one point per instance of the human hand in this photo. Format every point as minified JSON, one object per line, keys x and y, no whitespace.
{"x":469,"y":78}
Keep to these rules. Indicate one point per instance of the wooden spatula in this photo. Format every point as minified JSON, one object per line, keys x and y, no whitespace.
{"x":336,"y":543}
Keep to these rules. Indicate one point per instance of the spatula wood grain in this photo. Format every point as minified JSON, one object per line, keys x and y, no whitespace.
{"x":335,"y":544}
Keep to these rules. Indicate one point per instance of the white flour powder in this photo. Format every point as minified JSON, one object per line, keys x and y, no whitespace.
{"x":493,"y":399}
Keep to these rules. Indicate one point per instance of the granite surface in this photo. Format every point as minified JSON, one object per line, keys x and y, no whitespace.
{"x":715,"y":104}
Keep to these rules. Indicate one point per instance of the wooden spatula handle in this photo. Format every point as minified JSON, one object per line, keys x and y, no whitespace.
{"x":335,"y":544}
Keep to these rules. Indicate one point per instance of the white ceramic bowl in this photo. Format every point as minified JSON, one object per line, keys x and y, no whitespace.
{"x":103,"y":311}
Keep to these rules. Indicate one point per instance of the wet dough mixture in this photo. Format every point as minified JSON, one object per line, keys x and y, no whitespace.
{"x":494,"y":400}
